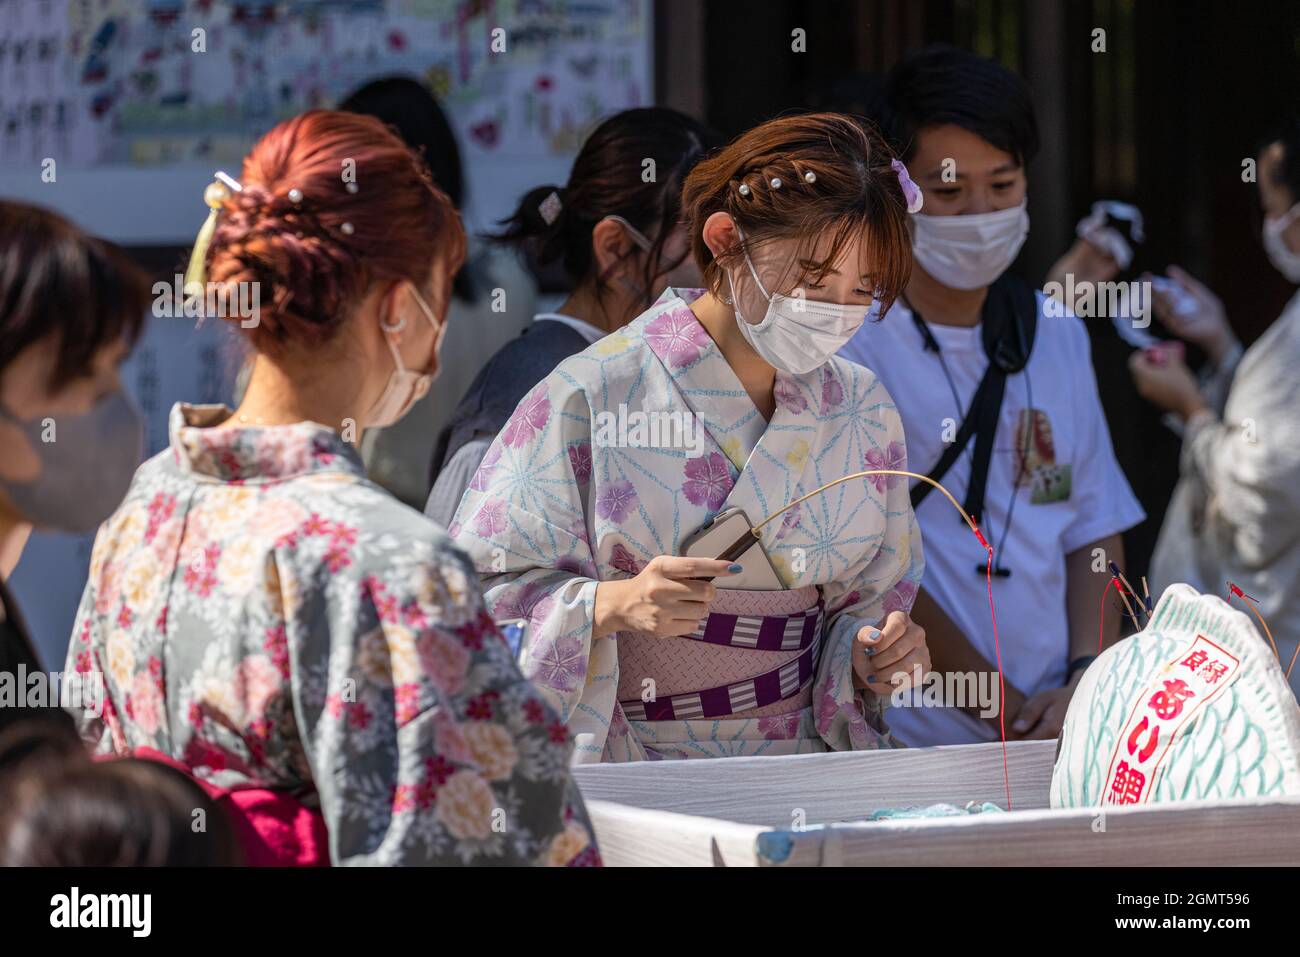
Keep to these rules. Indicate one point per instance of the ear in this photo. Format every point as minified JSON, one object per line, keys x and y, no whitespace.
{"x":390,"y":308}
{"x":720,"y":233}
{"x":609,"y":247}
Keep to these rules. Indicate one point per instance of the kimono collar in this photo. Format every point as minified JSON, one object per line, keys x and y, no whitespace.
{"x":260,"y":453}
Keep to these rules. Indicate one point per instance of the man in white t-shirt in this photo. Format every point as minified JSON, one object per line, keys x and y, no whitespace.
{"x":1055,"y":500}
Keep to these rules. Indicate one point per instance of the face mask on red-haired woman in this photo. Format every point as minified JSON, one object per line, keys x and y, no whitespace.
{"x":796,"y":334}
{"x":405,"y":386}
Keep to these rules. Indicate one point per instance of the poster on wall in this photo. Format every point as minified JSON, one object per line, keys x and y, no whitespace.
{"x":137,"y":102}
{"x":155,"y":92}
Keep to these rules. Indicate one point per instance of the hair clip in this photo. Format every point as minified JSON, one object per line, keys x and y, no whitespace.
{"x":347,"y":229}
{"x":776,"y":182}
{"x":214,"y":195}
{"x":743,"y":189}
{"x":550,"y":208}
{"x":810,"y":177}
{"x":911,"y":192}
{"x":295,"y":196}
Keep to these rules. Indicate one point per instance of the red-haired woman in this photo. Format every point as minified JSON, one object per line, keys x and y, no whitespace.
{"x":716,"y":401}
{"x":271,"y":619}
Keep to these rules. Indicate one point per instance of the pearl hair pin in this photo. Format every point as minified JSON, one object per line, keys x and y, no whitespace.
{"x":810,"y":177}
{"x":295,"y":196}
{"x":776,"y":182}
{"x":351,"y":187}
{"x":347,"y":229}
{"x":743,"y":189}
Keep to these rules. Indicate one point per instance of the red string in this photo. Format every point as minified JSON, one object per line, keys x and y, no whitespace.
{"x":1002,"y":685}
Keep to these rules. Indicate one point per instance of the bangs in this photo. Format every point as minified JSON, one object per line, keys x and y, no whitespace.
{"x":884,"y":255}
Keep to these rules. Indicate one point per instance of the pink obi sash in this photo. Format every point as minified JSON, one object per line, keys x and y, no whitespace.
{"x":745,"y":630}
{"x":274,"y":829}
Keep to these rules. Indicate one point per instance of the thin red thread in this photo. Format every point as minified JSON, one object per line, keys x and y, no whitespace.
{"x":1002,"y":684}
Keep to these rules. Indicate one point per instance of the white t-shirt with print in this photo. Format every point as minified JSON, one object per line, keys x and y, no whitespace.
{"x":1074,"y":494}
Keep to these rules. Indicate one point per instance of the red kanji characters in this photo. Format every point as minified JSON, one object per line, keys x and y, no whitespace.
{"x":1169,"y":702}
{"x":1149,"y":748}
{"x":1128,"y":784}
{"x":1212,"y":672}
{"x":1195,"y":659}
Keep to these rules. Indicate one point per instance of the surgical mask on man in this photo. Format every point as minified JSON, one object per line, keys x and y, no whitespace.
{"x":970,"y":251}
{"x":86,"y":464}
{"x":798,"y":335}
{"x":405,"y":386}
{"x":1279,"y":254}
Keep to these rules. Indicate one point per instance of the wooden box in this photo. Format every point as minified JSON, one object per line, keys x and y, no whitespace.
{"x":809,"y":810}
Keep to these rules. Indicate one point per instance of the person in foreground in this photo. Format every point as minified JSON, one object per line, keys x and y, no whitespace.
{"x":269,"y":618}
{"x":728,"y":398}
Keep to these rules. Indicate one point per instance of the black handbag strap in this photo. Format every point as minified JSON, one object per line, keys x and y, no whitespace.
{"x":1009,"y":319}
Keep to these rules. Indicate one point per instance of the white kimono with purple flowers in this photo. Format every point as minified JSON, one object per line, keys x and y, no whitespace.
{"x":557,"y":508}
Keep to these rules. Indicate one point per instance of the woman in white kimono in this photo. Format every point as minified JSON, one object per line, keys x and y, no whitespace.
{"x":1235,"y":514}
{"x":729,"y":397}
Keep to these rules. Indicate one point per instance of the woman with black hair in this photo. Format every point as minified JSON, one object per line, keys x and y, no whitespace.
{"x":616,"y":230}
{"x":71,"y":306}
{"x":1235,"y":515}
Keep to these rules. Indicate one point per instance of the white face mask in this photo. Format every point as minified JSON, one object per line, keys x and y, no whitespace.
{"x":1279,"y":254}
{"x":405,"y":387}
{"x":969,"y":252}
{"x":798,"y":335}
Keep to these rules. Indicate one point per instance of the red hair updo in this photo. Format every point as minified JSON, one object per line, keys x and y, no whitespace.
{"x":331,"y":203}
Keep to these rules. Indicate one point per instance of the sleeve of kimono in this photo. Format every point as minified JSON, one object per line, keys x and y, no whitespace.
{"x":849,"y":719}
{"x":426,"y":744}
{"x":1251,"y":465}
{"x":523,"y":522}
{"x":98,"y":724}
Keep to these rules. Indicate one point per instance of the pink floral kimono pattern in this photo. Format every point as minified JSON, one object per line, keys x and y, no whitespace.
{"x":269,"y":618}
{"x":562,"y":503}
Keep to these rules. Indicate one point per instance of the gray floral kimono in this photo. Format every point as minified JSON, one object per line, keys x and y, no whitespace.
{"x":265,"y":615}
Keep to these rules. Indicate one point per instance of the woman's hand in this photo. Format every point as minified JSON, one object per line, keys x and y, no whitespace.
{"x":886,"y":658}
{"x":1193,"y":313}
{"x":1163,"y":378}
{"x":665,"y":599}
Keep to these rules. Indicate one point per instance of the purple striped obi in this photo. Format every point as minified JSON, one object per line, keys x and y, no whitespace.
{"x":776,"y":634}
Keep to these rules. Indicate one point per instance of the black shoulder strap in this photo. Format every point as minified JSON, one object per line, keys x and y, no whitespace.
{"x":1010,"y":323}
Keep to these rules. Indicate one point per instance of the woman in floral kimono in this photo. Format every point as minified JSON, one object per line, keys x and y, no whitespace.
{"x":272,"y":620}
{"x":728,"y":397}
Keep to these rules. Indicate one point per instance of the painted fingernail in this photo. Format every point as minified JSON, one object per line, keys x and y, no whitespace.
{"x":735,"y":569}
{"x":873,"y":634}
